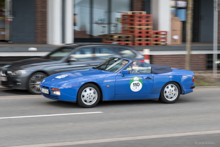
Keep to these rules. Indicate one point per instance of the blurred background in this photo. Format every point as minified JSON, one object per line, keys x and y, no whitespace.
{"x":33,"y":28}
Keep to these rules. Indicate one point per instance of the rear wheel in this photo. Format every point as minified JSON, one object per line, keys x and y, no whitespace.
{"x":34,"y":82}
{"x":170,"y":93}
{"x":88,"y":96}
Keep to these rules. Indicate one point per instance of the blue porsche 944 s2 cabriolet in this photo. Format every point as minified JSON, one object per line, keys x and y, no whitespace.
{"x":119,"y":79}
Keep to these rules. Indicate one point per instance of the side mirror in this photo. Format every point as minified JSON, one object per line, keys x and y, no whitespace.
{"x":125,"y":72}
{"x":72,"y":59}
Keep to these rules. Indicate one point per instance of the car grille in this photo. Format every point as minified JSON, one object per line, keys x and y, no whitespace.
{"x":51,"y":96}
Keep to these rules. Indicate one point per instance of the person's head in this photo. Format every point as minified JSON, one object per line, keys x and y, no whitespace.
{"x":124,"y":63}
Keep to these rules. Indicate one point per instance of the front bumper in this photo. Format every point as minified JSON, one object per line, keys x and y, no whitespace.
{"x":65,"y":94}
{"x":15,"y":82}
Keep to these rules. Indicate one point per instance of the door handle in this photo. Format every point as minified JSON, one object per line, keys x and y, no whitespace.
{"x":148,"y":78}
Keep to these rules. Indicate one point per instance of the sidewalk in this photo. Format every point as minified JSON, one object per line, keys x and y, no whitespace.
{"x":4,"y":47}
{"x":205,"y":78}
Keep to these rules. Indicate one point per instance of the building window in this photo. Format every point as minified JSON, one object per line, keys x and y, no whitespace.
{"x":82,"y":19}
{"x":93,"y":18}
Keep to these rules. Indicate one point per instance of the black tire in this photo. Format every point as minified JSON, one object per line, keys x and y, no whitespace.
{"x":91,"y":94}
{"x":169,"y":95}
{"x":34,"y":82}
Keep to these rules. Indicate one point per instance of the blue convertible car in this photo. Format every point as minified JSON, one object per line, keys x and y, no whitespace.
{"x":119,"y":79}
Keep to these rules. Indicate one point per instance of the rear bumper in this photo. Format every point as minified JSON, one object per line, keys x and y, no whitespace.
{"x":192,"y":87}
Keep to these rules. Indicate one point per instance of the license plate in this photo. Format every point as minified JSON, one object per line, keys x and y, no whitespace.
{"x":3,"y":78}
{"x":46,"y":91}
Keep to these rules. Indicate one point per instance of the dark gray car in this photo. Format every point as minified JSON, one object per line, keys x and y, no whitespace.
{"x":28,"y":73}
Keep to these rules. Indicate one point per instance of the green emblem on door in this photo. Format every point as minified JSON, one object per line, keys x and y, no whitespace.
{"x":136,"y":84}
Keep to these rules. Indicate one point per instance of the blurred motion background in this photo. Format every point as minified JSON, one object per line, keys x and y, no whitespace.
{"x":33,"y":28}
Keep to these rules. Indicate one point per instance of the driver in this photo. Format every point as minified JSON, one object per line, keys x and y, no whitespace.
{"x":124,"y":63}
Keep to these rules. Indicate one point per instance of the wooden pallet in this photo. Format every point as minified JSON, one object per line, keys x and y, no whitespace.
{"x":118,"y":37}
{"x":132,"y":20}
{"x":159,"y":43}
{"x":131,"y":32}
{"x":142,"y":39}
{"x":159,"y":39}
{"x":136,"y":23}
{"x":134,"y":12}
{"x":121,"y":43}
{"x":137,"y":27}
{"x":141,"y":43}
{"x":159,"y":32}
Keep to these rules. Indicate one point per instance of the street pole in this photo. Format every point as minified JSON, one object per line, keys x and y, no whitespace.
{"x":188,"y":33}
{"x":215,"y":38}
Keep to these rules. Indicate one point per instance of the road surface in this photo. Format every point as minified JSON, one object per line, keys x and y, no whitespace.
{"x":34,"y":121}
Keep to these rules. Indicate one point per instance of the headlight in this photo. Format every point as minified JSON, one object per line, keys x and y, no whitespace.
{"x":1,"y":73}
{"x":17,"y":72}
{"x":55,"y":91}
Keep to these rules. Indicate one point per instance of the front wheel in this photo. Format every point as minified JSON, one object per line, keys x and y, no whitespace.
{"x":88,"y":96}
{"x":170,"y":93}
{"x":34,"y":82}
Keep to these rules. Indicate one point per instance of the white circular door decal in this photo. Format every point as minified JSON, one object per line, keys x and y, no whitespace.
{"x":136,"y":84}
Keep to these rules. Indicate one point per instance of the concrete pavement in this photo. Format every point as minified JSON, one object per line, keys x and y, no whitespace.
{"x":34,"y":120}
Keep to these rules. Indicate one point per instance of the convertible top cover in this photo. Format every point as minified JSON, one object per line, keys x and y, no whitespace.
{"x":159,"y":69}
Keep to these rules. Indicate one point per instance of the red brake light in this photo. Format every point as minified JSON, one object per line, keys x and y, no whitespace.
{"x":193,"y":79}
{"x":142,"y":61}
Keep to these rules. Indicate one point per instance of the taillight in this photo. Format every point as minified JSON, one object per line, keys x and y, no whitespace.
{"x":142,"y":61}
{"x":193,"y":79}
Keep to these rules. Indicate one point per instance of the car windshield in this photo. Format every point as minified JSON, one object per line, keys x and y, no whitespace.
{"x":59,"y":54}
{"x":112,"y":64}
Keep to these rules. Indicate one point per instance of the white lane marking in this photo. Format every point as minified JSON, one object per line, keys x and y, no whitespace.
{"x":21,"y":97}
{"x":121,"y":139}
{"x":48,"y":115}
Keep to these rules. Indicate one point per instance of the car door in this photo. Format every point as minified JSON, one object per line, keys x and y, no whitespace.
{"x":136,"y":85}
{"x":84,"y":59}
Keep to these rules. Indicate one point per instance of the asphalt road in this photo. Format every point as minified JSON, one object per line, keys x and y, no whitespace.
{"x":33,"y":121}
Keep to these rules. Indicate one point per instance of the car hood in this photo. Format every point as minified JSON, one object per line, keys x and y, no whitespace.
{"x":59,"y":79}
{"x":29,"y":63}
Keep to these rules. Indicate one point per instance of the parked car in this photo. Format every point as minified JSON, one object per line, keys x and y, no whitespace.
{"x":28,"y":73}
{"x":119,"y":79}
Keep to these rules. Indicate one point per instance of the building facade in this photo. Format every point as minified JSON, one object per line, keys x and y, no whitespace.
{"x":68,"y":21}
{"x":41,"y":23}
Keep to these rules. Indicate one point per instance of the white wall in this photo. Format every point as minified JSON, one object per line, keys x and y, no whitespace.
{"x":69,"y":21}
{"x":54,"y":23}
{"x":161,"y":13}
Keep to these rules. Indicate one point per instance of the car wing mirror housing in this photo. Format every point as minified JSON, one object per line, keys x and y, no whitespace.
{"x":72,"y":59}
{"x":125,"y":72}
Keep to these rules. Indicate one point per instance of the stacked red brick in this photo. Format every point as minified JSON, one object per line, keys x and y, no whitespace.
{"x":121,"y":39}
{"x":139,"y":24}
